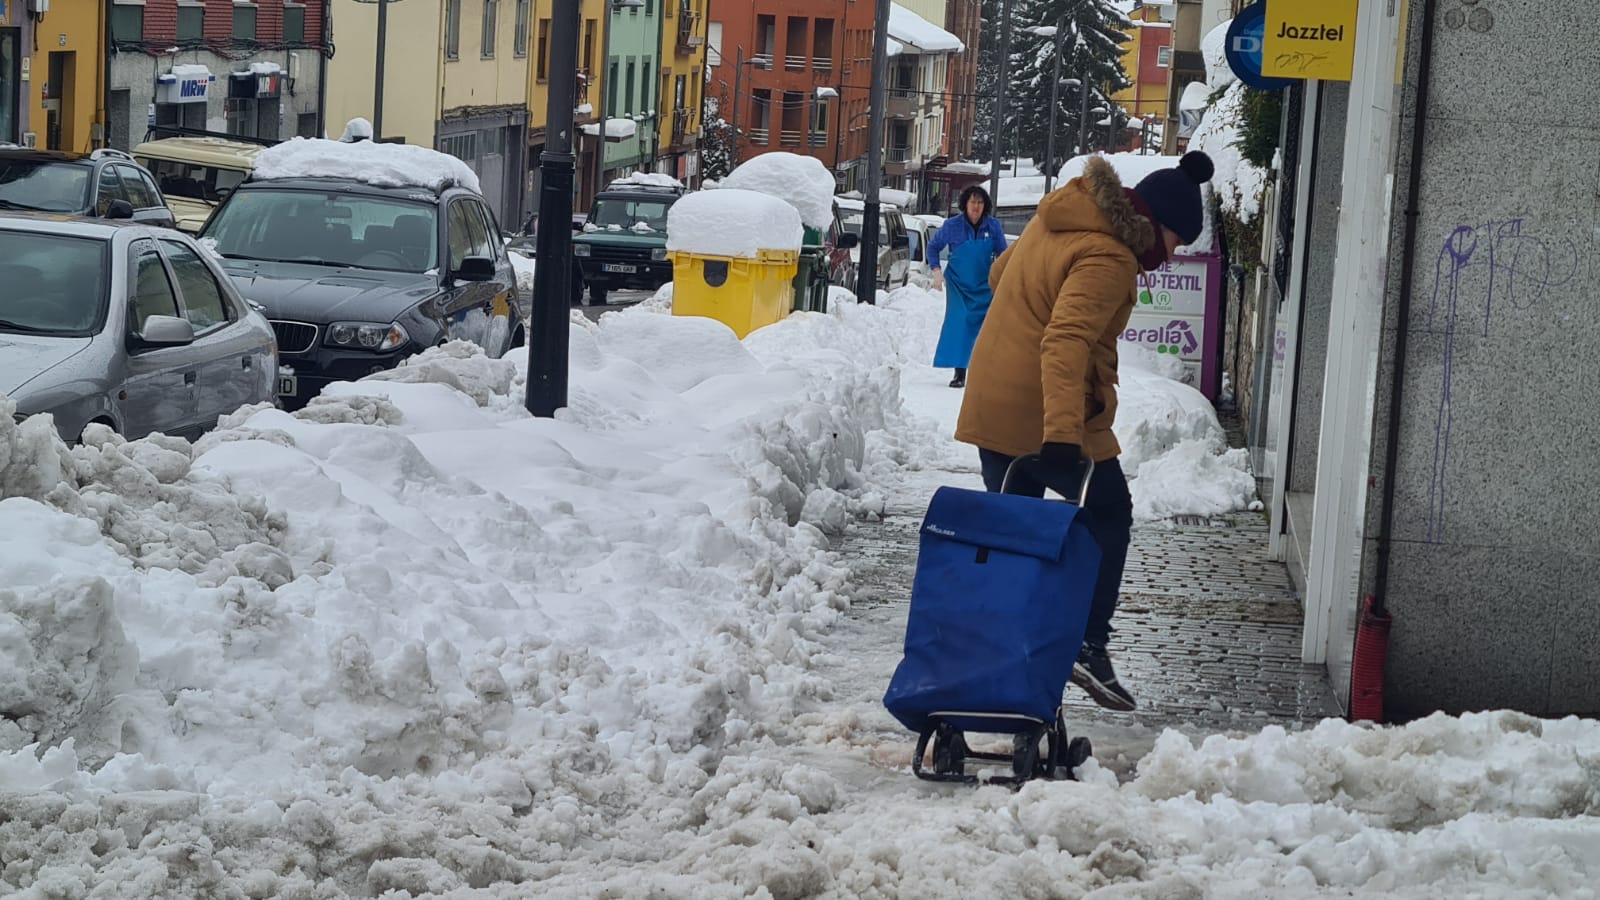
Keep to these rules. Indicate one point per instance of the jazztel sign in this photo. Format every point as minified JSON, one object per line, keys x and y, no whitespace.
{"x":1309,"y":39}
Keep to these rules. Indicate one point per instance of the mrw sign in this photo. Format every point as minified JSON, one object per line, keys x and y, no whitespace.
{"x":1307,"y":39}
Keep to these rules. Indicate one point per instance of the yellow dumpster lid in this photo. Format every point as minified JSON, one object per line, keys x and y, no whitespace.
{"x":775,"y":257}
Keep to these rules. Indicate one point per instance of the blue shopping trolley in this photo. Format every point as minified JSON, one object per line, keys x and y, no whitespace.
{"x":1002,"y":594}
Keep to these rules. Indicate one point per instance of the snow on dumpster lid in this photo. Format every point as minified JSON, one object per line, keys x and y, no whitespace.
{"x":918,"y":33}
{"x":383,"y":165}
{"x":732,"y":222}
{"x":802,"y":181}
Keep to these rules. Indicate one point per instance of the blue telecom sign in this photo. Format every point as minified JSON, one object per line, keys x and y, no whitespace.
{"x":1246,"y":41}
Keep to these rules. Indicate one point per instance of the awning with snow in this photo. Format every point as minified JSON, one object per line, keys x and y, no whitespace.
{"x":616,"y":129}
{"x":911,"y":33}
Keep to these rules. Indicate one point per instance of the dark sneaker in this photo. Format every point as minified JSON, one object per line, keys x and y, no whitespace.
{"x":1094,"y":674}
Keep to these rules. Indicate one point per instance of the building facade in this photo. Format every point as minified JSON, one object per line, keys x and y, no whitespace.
{"x":1147,"y":61}
{"x":683,"y":81}
{"x":16,"y":64}
{"x":455,"y":79}
{"x":255,"y":69}
{"x":769,"y":58}
{"x":630,"y":89}
{"x":918,"y":88}
{"x":588,"y":90}
{"x":964,"y":19}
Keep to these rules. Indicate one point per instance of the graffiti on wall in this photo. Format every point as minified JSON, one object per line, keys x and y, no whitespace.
{"x":1501,"y":266}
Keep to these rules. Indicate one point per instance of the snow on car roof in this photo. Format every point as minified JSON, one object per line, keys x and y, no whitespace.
{"x":380,"y":165}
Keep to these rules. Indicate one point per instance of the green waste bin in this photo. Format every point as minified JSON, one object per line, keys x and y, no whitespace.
{"x":811,"y":275}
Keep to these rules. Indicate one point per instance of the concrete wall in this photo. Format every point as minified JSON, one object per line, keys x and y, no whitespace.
{"x":1495,"y":585}
{"x":411,"y":73}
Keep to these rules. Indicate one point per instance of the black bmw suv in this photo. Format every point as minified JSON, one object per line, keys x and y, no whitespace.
{"x":356,"y":277}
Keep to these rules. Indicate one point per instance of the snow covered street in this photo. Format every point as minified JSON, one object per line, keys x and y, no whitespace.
{"x":411,"y":642}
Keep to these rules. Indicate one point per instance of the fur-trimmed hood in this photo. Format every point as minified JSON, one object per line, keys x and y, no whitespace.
{"x":1095,"y":201}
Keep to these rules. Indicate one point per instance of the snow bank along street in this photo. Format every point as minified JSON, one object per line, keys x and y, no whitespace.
{"x":411,"y":642}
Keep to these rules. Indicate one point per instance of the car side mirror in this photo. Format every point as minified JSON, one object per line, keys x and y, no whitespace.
{"x":901,"y":241}
{"x":119,"y":209}
{"x":849,"y":241}
{"x":476,"y":268}
{"x":166,"y":331}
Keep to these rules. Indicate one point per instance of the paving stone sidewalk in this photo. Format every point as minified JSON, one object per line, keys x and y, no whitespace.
{"x":1207,"y":633}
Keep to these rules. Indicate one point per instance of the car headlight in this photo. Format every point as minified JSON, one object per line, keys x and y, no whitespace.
{"x":367,"y":335}
{"x":659,"y":254}
{"x":580,"y":249}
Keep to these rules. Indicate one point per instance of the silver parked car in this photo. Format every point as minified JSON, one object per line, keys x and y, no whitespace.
{"x":131,"y":325}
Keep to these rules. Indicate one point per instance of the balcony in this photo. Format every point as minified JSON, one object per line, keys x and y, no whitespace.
{"x":896,"y":161}
{"x":789,"y":138}
{"x":901,"y":105}
{"x":760,"y":136}
{"x":680,"y":126}
{"x":689,"y":41}
{"x":819,"y":139}
{"x":822,"y":63}
{"x":762,"y":60}
{"x":795,"y":63}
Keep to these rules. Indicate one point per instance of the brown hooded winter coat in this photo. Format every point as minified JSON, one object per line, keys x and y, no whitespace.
{"x":1045,"y":366}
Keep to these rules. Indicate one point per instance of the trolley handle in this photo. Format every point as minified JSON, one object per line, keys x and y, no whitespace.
{"x":1034,"y":462}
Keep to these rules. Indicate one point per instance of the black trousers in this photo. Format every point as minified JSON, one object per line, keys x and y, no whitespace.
{"x":1108,"y":514}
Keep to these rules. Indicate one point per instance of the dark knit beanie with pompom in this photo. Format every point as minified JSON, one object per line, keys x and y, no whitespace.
{"x":1173,"y":195}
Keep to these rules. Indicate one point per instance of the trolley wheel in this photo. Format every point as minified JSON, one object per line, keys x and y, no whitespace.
{"x":949,"y":751}
{"x":1078,"y":752}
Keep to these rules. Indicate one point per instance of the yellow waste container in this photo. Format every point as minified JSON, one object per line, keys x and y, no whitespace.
{"x":744,"y":294}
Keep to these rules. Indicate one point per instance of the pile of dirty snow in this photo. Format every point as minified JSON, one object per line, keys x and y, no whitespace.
{"x":383,"y":165}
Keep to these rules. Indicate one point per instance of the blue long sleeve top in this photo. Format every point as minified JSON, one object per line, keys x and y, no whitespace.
{"x":957,"y":230}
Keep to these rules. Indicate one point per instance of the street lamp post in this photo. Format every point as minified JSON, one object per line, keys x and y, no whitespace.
{"x":377,"y":76}
{"x":880,"y":76}
{"x":551,"y":323}
{"x":605,"y":92}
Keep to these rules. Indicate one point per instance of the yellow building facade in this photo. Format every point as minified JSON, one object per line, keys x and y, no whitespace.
{"x":62,"y":69}
{"x":456,"y":78}
{"x":684,"y":26}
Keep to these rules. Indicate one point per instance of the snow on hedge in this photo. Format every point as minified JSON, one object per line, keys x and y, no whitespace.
{"x":803,"y":181}
{"x":732,"y":222}
{"x":383,"y":165}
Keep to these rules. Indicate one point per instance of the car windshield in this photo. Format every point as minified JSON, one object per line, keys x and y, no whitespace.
{"x":329,"y":228}
{"x":192,"y":180}
{"x":628,"y":215}
{"x":44,"y":184}
{"x":54,"y":284}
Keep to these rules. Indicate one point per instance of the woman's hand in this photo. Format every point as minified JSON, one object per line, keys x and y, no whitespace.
{"x":938,"y":279}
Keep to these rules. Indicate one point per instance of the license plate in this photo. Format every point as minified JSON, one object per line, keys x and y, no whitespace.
{"x":619,"y":268}
{"x":288,"y":385}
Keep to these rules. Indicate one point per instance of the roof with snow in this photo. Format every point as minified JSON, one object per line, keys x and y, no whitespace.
{"x":912,"y":33}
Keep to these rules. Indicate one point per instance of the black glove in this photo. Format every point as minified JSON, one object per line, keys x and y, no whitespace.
{"x":1064,"y":458}
{"x":1059,"y":467}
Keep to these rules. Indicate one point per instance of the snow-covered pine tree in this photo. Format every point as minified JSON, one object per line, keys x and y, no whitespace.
{"x":716,"y":143}
{"x":1091,"y":52}
{"x":988,"y":73}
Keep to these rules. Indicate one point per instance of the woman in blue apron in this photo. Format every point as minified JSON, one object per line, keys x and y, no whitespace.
{"x":974,"y":240}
